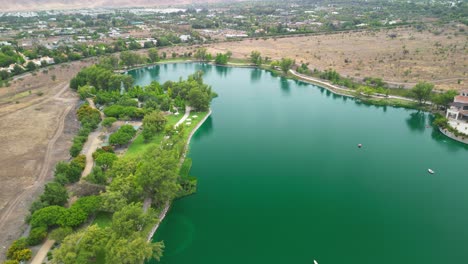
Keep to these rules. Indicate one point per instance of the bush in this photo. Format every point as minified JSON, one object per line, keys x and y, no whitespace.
{"x":37,"y":205}
{"x":72,"y":217}
{"x":47,"y":216}
{"x":123,"y":135}
{"x":11,"y":261}
{"x":23,"y":255}
{"x":89,"y":204}
{"x":108,"y":121}
{"x":17,"y":245}
{"x":119,"y":111}
{"x":54,"y":194}
{"x":37,"y":235}
{"x":60,"y":233}
{"x":97,"y":176}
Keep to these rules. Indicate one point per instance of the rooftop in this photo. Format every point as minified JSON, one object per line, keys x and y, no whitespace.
{"x":461,"y":99}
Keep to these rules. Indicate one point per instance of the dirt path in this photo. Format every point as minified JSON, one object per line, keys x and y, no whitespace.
{"x":186,"y":115}
{"x":91,"y":145}
{"x":42,"y":253}
{"x":335,"y":88}
{"x":89,"y":148}
{"x":46,"y":164}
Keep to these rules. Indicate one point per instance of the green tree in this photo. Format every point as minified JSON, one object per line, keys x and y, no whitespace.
{"x":153,"y":54}
{"x":122,"y":136}
{"x":72,"y":217}
{"x":108,"y":121}
{"x":132,"y":250}
{"x":105,"y":160}
{"x":82,"y":246}
{"x":222,"y":59}
{"x":17,"y":245}
{"x":22,"y":255}
{"x":201,"y":54}
{"x":153,"y":123}
{"x":422,"y":91}
{"x":55,"y":194}
{"x":60,"y":233}
{"x":30,"y":66}
{"x":48,"y":216}
{"x":129,"y":219}
{"x":37,"y":235}
{"x":158,"y":175}
{"x":199,"y":99}
{"x":286,"y":64}
{"x":444,"y":99}
{"x":256,"y":58}
{"x":129,"y":58}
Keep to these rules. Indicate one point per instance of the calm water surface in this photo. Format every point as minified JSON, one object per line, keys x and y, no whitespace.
{"x":281,"y":179}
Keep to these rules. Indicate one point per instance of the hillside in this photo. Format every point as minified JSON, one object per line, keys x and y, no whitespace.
{"x":31,"y":5}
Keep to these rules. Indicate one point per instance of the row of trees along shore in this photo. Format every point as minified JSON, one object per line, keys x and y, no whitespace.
{"x":421,"y":92}
{"x":114,"y":191}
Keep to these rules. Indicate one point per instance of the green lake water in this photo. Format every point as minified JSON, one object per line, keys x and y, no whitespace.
{"x":281,"y":179}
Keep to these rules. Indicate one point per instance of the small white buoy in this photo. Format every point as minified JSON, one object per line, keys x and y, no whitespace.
{"x":359,"y":145}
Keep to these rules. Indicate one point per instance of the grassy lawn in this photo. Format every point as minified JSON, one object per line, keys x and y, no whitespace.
{"x":103,"y":219}
{"x":239,"y":61}
{"x":188,"y":128}
{"x":186,"y":166}
{"x":139,"y":145}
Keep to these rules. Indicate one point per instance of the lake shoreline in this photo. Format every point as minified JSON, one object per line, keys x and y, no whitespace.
{"x":168,"y":204}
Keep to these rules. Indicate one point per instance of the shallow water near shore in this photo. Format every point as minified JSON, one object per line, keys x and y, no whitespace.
{"x":281,"y":179}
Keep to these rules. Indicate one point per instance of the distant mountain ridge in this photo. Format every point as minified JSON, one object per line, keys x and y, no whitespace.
{"x":36,"y":5}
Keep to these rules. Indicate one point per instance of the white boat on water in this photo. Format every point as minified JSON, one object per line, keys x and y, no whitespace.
{"x":315,"y":262}
{"x":430,"y":171}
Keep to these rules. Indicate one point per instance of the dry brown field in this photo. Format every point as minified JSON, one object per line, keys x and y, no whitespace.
{"x":408,"y":58}
{"x":37,"y":124}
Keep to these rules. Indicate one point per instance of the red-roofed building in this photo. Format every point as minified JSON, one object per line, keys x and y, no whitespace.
{"x":459,"y":107}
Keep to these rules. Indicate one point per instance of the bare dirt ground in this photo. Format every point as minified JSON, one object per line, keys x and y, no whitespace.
{"x":439,"y":56}
{"x":36,"y":129}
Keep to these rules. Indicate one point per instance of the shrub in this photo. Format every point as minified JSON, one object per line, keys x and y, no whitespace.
{"x":108,"y":121}
{"x":22,"y":255}
{"x":37,"y":235}
{"x":54,"y":194}
{"x":72,"y":217}
{"x":47,"y":216}
{"x":17,"y":245}
{"x":123,"y":135}
{"x":60,"y":233}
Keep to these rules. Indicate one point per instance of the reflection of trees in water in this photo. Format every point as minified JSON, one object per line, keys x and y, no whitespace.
{"x":336,"y":96}
{"x":205,"y":129}
{"x":285,"y":85}
{"x":300,"y":83}
{"x":255,"y":75}
{"x":222,"y":71}
{"x":154,"y":71}
{"x":417,"y":121}
{"x":205,"y":67}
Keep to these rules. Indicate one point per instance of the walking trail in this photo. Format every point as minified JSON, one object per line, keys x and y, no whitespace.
{"x":89,"y":148}
{"x":336,"y":89}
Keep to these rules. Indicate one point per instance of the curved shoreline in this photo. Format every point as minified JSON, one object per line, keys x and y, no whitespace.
{"x":162,"y":215}
{"x":452,"y":136}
